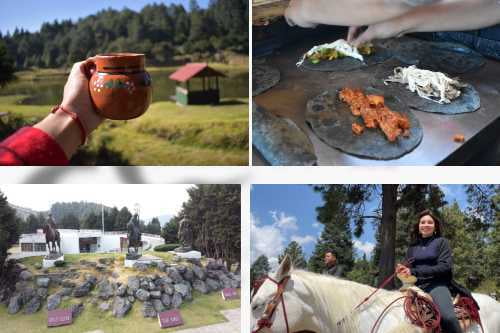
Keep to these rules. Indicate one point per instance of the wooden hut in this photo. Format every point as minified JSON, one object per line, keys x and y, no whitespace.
{"x":209,"y":93}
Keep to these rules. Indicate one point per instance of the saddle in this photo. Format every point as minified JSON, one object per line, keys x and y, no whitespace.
{"x":421,"y":311}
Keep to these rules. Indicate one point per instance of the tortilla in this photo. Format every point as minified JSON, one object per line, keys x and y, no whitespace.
{"x":446,"y":57}
{"x":264,"y":78}
{"x":469,"y":100}
{"x":348,"y":64}
{"x":280,"y":140}
{"x":331,"y":120}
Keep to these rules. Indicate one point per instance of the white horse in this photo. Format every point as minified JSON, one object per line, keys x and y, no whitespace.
{"x":324,"y":304}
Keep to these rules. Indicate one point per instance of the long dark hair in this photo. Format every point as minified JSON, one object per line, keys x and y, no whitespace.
{"x":438,"y":231}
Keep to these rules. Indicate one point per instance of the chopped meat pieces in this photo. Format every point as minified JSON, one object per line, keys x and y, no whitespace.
{"x":459,"y":138}
{"x":375,"y":114}
{"x":357,"y":129}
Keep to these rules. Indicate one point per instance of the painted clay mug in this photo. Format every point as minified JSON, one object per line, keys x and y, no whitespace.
{"x":120,"y":88}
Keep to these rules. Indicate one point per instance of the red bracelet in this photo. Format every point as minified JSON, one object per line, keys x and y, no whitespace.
{"x":75,"y":117}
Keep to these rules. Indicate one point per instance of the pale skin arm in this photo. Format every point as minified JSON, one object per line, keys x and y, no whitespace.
{"x":60,"y":126}
{"x":309,"y":13}
{"x":447,"y":15}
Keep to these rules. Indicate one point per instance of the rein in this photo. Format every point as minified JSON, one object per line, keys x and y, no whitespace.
{"x":265,"y":319}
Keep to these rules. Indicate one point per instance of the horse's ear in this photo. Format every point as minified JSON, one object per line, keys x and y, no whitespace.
{"x":285,"y":268}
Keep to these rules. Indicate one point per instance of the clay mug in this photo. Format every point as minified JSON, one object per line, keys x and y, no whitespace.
{"x":120,"y":88}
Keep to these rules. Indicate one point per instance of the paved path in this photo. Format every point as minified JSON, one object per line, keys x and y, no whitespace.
{"x":234,"y":317}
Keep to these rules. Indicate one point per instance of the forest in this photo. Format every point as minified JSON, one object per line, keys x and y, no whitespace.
{"x":162,"y":32}
{"x":473,"y":232}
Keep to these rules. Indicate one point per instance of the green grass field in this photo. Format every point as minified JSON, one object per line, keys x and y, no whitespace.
{"x":203,"y":310}
{"x":167,"y":134}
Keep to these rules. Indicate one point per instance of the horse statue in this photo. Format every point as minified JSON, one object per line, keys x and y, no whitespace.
{"x":294,"y":301}
{"x":52,"y":236}
{"x":134,"y":236}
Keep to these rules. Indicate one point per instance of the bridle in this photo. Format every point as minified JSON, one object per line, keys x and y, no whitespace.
{"x":265,"y":320}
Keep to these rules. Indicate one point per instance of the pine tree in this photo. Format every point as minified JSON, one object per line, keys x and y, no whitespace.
{"x":9,"y":229}
{"x":259,"y":268}
{"x":170,"y":230}
{"x":122,"y":219}
{"x":294,"y":251}
{"x":154,"y":227}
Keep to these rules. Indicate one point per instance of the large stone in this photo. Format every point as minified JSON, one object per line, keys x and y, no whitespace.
{"x":165,"y":299}
{"x":121,"y":306}
{"x":199,"y":272}
{"x":27,"y":294}
{"x":42,"y":292}
{"x":168,"y":289}
{"x":133,"y":283}
{"x":176,"y":300}
{"x":182,"y":289}
{"x":65,"y":291}
{"x":26,"y":275}
{"x":115,"y":275}
{"x":76,"y":309}
{"x":68,"y":284}
{"x":142,"y":295}
{"x":200,"y":286}
{"x":155,"y":294}
{"x":15,"y":304}
{"x":81,"y":291}
{"x":148,"y":310}
{"x":141,"y":266}
{"x":161,"y":266}
{"x":43,"y":282}
{"x":53,"y":301}
{"x":174,"y":275}
{"x":121,"y":290}
{"x":188,"y":274}
{"x":158,"y":305}
{"x":33,"y":305}
{"x":131,"y":299}
{"x":91,"y":280}
{"x":181,"y":269}
{"x":213,"y":285}
{"x":106,"y":261}
{"x":105,"y":289}
{"x":100,"y":267}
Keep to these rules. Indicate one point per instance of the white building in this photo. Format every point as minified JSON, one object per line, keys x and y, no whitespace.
{"x":85,"y":241}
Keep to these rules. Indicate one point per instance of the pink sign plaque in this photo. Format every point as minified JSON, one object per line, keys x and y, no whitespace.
{"x":59,"y":318}
{"x":170,"y":318}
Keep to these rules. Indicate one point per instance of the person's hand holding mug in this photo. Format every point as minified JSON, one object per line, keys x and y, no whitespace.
{"x":62,"y":125}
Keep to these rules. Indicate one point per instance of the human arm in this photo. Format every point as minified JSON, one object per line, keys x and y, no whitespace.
{"x":446,"y":15}
{"x":309,"y":13}
{"x":54,"y":139}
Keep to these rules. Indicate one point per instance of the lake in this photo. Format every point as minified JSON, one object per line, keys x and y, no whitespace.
{"x":48,"y":89}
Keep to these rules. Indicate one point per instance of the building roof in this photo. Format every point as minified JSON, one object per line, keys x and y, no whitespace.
{"x":191,"y":70}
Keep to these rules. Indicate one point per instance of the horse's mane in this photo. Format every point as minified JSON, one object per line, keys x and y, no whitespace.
{"x":347,"y":295}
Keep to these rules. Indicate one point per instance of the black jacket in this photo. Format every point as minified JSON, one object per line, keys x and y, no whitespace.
{"x":433,"y":263}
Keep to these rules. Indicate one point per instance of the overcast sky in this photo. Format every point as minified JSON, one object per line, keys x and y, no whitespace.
{"x":154,"y":200}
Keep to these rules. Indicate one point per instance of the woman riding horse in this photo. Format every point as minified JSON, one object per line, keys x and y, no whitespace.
{"x":432,"y":266}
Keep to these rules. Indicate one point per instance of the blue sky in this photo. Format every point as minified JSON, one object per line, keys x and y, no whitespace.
{"x":282,"y":213}
{"x":30,"y":14}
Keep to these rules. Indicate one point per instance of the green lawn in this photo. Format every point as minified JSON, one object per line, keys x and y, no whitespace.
{"x":203,"y":310}
{"x":167,"y":134}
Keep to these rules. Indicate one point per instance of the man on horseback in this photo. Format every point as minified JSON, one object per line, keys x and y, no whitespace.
{"x":52,"y":235}
{"x":332,"y":268}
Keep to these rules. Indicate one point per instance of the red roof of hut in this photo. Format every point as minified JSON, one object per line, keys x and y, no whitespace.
{"x":191,"y":70}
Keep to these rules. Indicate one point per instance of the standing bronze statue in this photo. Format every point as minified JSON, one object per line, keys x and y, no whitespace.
{"x":185,"y":236}
{"x":52,"y":236}
{"x":134,"y":237}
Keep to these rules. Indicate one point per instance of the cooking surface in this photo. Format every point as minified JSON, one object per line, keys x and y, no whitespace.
{"x":289,"y":97}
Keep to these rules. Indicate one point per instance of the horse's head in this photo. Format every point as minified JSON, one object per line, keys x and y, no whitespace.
{"x":279,"y":304}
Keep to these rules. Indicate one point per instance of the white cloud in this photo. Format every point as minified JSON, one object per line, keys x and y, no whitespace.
{"x":283,"y":221}
{"x":364,"y":247}
{"x":265,"y":240}
{"x":317,"y":225}
{"x":302,"y":240}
